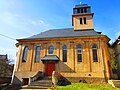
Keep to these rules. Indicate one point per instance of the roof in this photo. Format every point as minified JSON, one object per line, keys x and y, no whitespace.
{"x":81,"y":5}
{"x":50,"y":57}
{"x":63,"y":33}
{"x":3,"y":57}
{"x":80,"y":14}
{"x":117,"y":42}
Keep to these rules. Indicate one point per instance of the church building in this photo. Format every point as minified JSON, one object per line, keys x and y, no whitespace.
{"x":78,"y":53}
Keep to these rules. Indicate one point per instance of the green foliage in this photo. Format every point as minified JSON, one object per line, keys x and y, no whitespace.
{"x":85,"y":86}
{"x":113,"y":60}
{"x":5,"y":68}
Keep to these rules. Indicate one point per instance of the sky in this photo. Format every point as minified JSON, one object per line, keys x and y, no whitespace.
{"x":24,"y":18}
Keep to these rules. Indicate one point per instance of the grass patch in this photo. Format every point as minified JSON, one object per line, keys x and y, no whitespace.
{"x":85,"y":86}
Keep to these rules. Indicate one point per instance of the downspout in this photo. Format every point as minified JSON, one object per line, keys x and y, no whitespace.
{"x":74,"y":50}
{"x":59,"y":58}
{"x":101,"y":55}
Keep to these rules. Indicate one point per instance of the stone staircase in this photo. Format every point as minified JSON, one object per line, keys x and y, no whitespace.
{"x":40,"y":83}
{"x":114,"y":83}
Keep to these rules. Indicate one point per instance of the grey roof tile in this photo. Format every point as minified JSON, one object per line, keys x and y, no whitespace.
{"x":60,"y":33}
{"x":81,"y":5}
{"x":50,"y":57}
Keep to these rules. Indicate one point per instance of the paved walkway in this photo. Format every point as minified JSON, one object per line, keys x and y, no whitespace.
{"x":36,"y":89}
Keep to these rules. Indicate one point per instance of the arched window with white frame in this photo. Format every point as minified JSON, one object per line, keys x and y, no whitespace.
{"x":64,"y":54}
{"x":51,"y":50}
{"x":25,"y":54}
{"x":94,"y":52}
{"x":37,"y":56}
{"x":79,"y":53}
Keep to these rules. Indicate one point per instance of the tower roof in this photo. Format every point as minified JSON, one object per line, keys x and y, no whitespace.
{"x":82,"y":5}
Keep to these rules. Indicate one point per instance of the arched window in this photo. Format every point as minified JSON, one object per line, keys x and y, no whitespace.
{"x":51,"y":50}
{"x":94,"y":51}
{"x":37,"y":57}
{"x":79,"y":53}
{"x":25,"y":53}
{"x":64,"y":50}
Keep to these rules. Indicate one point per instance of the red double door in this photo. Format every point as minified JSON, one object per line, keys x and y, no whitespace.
{"x":50,"y":68}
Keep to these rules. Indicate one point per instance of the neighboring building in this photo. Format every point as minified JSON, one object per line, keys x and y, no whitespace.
{"x":116,"y":46}
{"x":6,"y":69}
{"x":78,"y":53}
{"x":3,"y":57}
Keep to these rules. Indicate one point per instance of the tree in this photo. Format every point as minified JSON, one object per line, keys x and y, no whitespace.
{"x":113,"y":59}
{"x":5,"y":66}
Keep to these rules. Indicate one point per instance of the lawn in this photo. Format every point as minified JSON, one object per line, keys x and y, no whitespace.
{"x":85,"y":86}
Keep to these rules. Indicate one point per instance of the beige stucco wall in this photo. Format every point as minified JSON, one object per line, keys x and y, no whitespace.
{"x":88,"y":25}
{"x":71,"y":68}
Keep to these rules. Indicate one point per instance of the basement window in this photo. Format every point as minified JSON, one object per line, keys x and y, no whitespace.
{"x":25,"y":81}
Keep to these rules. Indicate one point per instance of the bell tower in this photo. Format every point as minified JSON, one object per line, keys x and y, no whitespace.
{"x":82,"y":18}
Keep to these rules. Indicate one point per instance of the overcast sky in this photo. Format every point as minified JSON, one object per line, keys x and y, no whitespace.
{"x":24,"y":18}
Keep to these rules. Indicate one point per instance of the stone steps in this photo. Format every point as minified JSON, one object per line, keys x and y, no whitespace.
{"x":117,"y":83}
{"x":36,"y":87}
{"x":40,"y":83}
{"x":45,"y":84}
{"x":114,"y":83}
